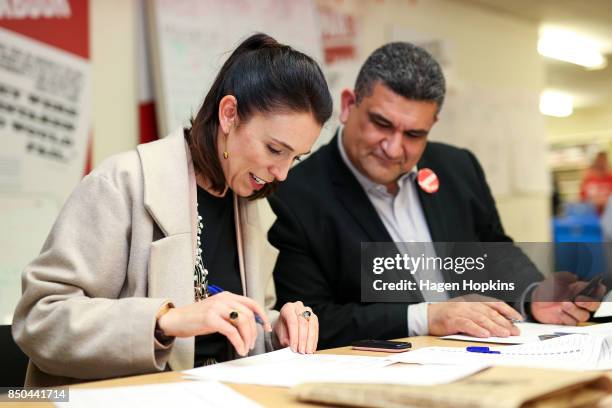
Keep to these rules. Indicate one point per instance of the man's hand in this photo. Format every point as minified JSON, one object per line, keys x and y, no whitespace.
{"x":474,"y":315}
{"x":553,"y":300}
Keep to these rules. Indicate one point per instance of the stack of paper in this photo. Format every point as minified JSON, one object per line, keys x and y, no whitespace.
{"x":285,"y":368}
{"x":531,"y":332}
{"x":572,"y":352}
{"x":605,"y":307}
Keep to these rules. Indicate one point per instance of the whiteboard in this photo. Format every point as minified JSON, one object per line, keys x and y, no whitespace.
{"x":190,"y":40}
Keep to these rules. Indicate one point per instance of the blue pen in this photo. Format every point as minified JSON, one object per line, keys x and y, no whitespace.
{"x":483,"y":350}
{"x":214,"y":289}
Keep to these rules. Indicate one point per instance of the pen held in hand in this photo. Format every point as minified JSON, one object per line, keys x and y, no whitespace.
{"x":214,"y":289}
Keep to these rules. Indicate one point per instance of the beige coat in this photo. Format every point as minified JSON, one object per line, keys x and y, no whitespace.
{"x":123,"y":245}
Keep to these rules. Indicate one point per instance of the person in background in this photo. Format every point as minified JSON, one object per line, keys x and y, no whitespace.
{"x":596,"y":184}
{"x":124,"y":283}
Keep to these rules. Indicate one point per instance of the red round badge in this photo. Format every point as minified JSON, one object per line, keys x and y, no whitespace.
{"x":428,"y":180}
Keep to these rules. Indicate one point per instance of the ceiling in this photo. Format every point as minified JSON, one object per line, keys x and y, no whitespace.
{"x":592,"y":18}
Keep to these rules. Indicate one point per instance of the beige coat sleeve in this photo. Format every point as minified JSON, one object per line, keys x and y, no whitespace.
{"x":70,"y":320}
{"x":270,"y":301}
{"x":269,"y":254}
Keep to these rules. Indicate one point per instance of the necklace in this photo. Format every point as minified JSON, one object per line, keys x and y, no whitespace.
{"x":200,"y":275}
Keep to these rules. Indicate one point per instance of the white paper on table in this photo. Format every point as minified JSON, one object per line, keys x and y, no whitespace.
{"x":285,"y":368}
{"x":572,"y":352}
{"x":602,"y":328}
{"x":530,"y":332}
{"x":605,"y":307}
{"x":186,"y":394}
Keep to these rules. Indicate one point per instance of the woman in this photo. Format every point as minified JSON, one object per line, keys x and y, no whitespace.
{"x":126,"y":278}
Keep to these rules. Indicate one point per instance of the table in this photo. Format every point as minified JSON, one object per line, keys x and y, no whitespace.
{"x":279,"y":396}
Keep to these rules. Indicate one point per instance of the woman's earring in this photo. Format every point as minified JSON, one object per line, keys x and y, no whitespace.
{"x":225,"y":153}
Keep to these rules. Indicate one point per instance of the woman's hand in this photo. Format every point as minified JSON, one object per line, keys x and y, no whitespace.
{"x":298,"y":328}
{"x":212,"y":315}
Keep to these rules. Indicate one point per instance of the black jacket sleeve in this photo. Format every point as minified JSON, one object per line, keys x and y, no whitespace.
{"x":311,"y":270}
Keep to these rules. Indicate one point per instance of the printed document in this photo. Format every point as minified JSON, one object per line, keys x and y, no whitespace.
{"x":531,"y":332}
{"x":285,"y":368}
{"x":605,"y":307}
{"x":571,"y":352}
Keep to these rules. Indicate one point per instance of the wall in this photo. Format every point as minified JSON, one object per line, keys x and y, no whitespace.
{"x":583,"y":125}
{"x":114,"y":82}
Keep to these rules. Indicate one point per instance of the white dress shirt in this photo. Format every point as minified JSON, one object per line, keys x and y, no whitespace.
{"x":403,"y":217}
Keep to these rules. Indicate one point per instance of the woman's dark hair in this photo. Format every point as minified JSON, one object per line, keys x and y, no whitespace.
{"x":264,"y":76}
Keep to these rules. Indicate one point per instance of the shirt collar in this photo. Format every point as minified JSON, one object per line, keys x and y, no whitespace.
{"x":367,"y":184}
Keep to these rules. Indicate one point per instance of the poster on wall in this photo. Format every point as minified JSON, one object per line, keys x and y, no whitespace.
{"x":44,"y":121}
{"x":45,"y":126}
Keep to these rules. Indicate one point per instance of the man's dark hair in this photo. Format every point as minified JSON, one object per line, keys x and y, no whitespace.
{"x":265,"y":77}
{"x":406,"y":69}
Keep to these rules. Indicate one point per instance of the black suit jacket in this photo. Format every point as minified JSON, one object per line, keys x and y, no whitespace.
{"x":323,"y":216}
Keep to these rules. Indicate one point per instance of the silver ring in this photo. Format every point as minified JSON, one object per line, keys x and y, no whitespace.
{"x":306,"y":314}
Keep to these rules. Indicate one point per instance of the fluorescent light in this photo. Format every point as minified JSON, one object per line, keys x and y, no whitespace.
{"x":555,"y":103}
{"x":570,"y":47}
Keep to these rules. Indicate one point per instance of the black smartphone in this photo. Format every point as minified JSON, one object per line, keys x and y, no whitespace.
{"x":381,"y":345}
{"x":590,"y":289}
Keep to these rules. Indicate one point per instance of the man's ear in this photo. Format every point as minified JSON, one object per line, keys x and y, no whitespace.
{"x":347,"y":100}
{"x":228,"y":112}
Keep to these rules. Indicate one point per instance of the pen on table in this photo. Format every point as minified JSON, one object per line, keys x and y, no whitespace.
{"x":483,"y":350}
{"x":214,"y":289}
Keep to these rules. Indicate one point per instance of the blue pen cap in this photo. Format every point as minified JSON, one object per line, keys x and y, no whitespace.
{"x":477,"y":349}
{"x":483,"y":350}
{"x":213,"y":289}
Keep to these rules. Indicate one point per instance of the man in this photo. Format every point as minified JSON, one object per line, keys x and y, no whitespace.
{"x":362,"y":187}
